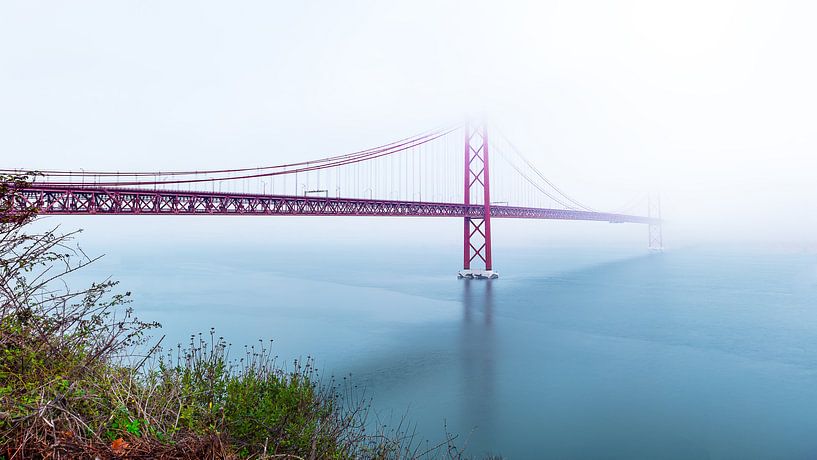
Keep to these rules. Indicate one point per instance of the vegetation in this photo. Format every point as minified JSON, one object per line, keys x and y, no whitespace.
{"x":80,"y":379}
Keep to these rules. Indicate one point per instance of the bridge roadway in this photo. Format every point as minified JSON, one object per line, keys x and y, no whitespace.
{"x":89,"y":200}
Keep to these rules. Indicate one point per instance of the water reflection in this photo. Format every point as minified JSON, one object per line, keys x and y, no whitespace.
{"x":478,"y":361}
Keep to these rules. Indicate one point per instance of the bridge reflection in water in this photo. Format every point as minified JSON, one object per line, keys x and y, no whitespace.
{"x":479,"y":355}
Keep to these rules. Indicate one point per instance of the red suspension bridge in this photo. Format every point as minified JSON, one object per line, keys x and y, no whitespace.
{"x":451,"y":172}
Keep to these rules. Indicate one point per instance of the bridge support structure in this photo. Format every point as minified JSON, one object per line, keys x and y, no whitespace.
{"x":655,"y":229}
{"x":477,"y":230}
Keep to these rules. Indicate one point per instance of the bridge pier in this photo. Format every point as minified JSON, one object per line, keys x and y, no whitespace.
{"x":655,"y":241}
{"x":477,"y":274}
{"x":477,"y":229}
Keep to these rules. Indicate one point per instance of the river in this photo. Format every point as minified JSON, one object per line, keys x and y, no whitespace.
{"x":573,"y":352}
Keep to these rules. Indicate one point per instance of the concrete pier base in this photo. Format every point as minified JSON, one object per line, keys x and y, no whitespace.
{"x":478,"y":274}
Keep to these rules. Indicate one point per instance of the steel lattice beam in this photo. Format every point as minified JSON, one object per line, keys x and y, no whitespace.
{"x":81,"y":200}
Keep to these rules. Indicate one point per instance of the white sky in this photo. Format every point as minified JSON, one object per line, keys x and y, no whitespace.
{"x":712,"y":102}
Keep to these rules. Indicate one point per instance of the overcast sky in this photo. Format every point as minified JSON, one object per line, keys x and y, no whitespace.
{"x":712,"y":102}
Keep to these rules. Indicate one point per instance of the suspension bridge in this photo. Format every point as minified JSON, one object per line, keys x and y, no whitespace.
{"x":452,"y":172}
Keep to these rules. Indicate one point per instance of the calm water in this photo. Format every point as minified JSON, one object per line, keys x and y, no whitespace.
{"x":572,"y":353}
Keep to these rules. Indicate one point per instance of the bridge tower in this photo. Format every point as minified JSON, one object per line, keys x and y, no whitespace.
{"x":477,"y":229}
{"x":656,"y":234}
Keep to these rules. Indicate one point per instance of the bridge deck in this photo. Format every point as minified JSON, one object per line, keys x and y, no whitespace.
{"x":82,"y":200}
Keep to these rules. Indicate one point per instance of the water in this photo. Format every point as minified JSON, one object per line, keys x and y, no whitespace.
{"x":696,"y":353}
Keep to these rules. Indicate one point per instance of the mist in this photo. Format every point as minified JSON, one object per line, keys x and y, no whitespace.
{"x":709,"y":103}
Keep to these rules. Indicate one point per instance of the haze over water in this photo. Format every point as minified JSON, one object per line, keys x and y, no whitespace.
{"x":574,"y":352}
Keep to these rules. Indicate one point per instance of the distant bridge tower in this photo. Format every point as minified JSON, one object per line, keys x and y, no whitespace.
{"x":656,"y":236}
{"x":477,"y":230}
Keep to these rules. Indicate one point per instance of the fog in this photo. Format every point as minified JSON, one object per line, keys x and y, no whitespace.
{"x":712,"y":103}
